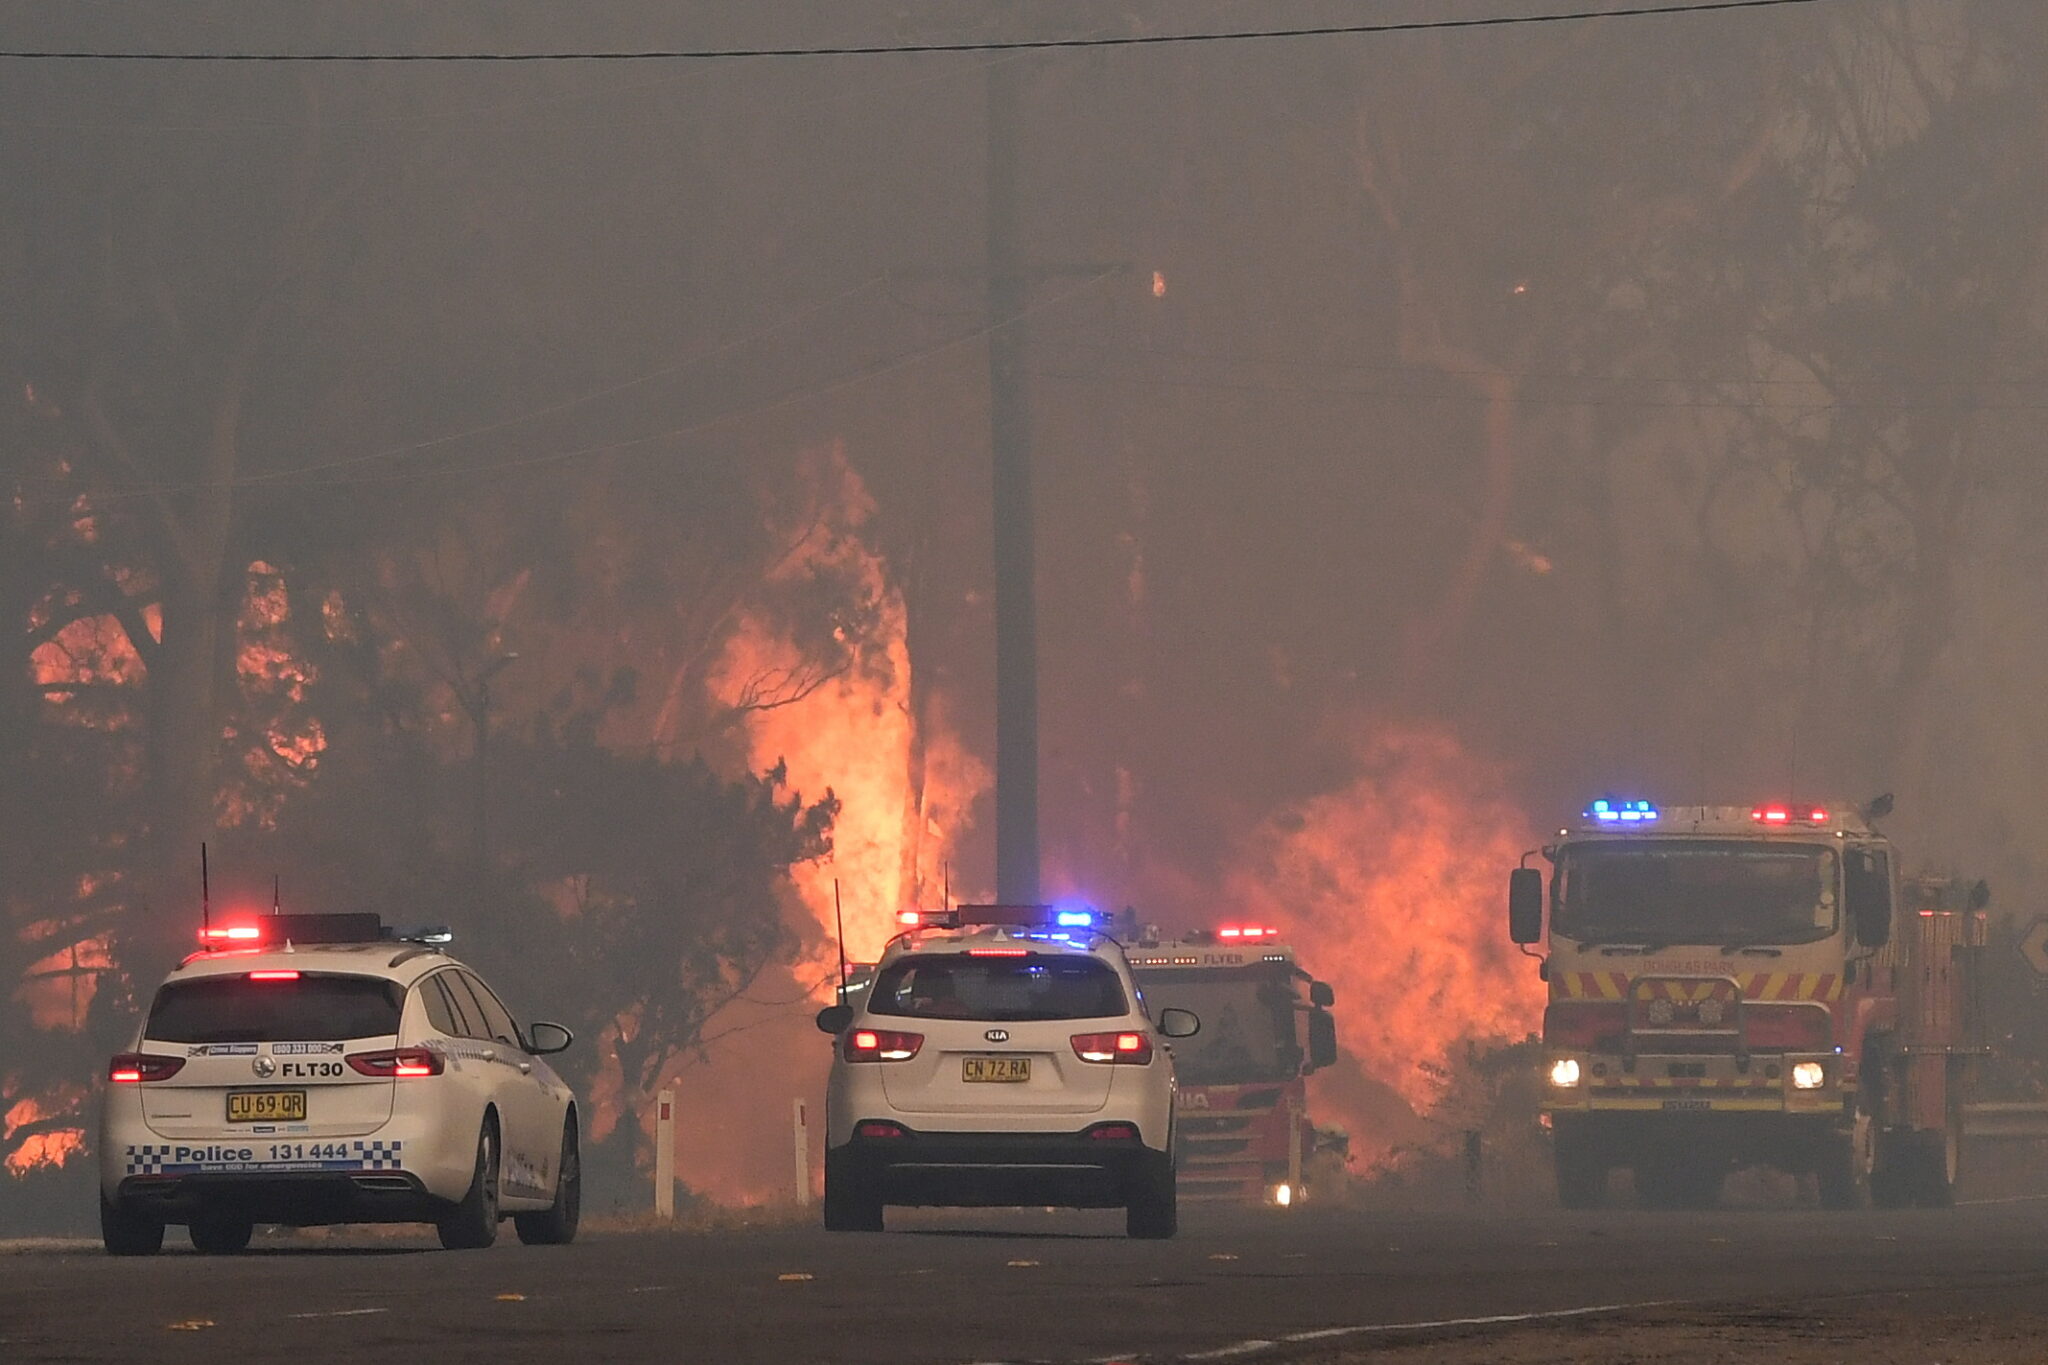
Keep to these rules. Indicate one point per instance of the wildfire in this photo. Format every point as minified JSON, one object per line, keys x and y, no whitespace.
{"x":1392,"y":889}
{"x":905,"y":782}
{"x":51,"y":1147}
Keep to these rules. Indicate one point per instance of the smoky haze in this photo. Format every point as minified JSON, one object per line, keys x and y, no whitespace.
{"x":554,"y":498}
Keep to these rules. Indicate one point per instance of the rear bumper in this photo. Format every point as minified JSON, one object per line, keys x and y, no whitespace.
{"x":304,"y":1199}
{"x":957,"y":1169}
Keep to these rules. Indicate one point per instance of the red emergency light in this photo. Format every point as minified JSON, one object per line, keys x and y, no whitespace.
{"x":232,"y":933}
{"x":1239,"y":932}
{"x":1785,"y":815}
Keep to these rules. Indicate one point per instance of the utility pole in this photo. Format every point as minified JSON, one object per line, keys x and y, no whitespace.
{"x":1015,"y":557}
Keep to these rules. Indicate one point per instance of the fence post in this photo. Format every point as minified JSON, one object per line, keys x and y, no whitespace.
{"x":1473,"y":1169}
{"x":665,"y":1156}
{"x":803,"y":1158}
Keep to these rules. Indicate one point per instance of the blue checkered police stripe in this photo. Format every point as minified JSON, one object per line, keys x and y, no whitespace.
{"x":381,"y":1156}
{"x":148,"y":1158}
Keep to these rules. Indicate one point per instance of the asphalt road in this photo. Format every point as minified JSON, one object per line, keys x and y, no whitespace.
{"x":986,"y":1287}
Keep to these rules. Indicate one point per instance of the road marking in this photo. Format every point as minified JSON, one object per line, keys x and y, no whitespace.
{"x":1223,"y":1256}
{"x":2009,"y":1199}
{"x":650,"y":1289}
{"x":511,"y":1298}
{"x":1022,"y":1265}
{"x":190,"y":1325}
{"x":1246,"y":1348}
{"x":793,"y":1277}
{"x":341,"y":1313}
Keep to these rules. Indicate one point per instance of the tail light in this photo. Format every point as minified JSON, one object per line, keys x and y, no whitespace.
{"x":878,"y":1128}
{"x":1593,"y":1026}
{"x":131,"y":1068}
{"x":1114,"y":1049}
{"x":881,"y":1045}
{"x":1114,"y":1132}
{"x":399,"y":1061}
{"x":274,"y":976}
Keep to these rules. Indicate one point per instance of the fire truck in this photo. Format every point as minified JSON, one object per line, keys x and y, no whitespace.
{"x":1738,"y":986}
{"x":1243,"y":1132}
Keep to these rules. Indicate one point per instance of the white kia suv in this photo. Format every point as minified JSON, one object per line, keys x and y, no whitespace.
{"x":309,"y":1069}
{"x":1001,"y":1056}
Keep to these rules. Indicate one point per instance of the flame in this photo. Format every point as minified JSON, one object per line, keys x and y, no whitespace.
{"x":52,"y":1147}
{"x":1392,"y":889}
{"x":905,"y":797}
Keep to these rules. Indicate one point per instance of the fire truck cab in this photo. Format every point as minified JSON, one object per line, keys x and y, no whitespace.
{"x":1734,"y":986}
{"x":1244,"y":1131}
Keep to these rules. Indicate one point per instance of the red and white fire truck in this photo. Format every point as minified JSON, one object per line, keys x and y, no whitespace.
{"x":1243,"y":1131}
{"x":1751,"y":985}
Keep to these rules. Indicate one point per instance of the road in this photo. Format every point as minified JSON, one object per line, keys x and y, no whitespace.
{"x":1007,"y":1287}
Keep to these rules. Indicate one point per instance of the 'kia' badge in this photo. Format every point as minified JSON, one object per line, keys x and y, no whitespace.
{"x":997,"y":1035}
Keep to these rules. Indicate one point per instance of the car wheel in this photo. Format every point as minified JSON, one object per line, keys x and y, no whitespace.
{"x":220,"y":1236}
{"x":1152,"y":1210}
{"x":473,"y":1224}
{"x":851,"y":1204}
{"x":129,"y":1234}
{"x":556,"y":1225}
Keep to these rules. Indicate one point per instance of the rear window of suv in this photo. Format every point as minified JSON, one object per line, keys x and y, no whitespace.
{"x":234,"y":1009}
{"x":998,"y":989}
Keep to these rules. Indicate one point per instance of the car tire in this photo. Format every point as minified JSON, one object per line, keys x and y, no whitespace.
{"x":220,"y":1236}
{"x":473,"y":1224}
{"x":556,"y":1225}
{"x":129,"y":1234}
{"x":851,"y":1204}
{"x":1152,"y":1210}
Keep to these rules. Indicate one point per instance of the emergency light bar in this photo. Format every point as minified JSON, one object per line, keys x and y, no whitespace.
{"x":1606,"y":812}
{"x":1005,"y":916}
{"x":364,"y":926}
{"x":1787,"y":815}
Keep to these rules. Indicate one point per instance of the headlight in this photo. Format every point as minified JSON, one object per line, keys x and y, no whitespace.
{"x":1281,"y":1195}
{"x":1808,"y":1075}
{"x":1564,"y":1073}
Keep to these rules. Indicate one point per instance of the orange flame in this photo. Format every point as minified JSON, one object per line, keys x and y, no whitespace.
{"x":1393,"y":889}
{"x":905,"y":796}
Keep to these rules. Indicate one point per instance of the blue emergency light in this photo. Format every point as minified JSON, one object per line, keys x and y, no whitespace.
{"x":1607,"y":812}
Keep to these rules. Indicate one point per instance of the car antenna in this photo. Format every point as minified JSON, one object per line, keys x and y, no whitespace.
{"x":276,"y":894}
{"x":946,"y":875}
{"x":205,"y":891}
{"x":839,"y":927}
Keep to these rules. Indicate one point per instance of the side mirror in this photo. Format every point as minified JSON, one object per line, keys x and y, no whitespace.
{"x":1525,"y":905}
{"x":1980,"y":895}
{"x":834,"y":1018}
{"x":1179,"y":1023}
{"x":544,"y":1040}
{"x":1320,"y":995}
{"x":1869,"y":894}
{"x":1322,"y":1039}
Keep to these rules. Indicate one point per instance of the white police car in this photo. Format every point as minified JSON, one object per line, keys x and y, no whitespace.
{"x":1001,"y":1056}
{"x":309,"y":1069}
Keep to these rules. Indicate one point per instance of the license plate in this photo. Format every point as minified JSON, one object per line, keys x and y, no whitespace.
{"x":1690,"y":1106}
{"x":995,"y":1068}
{"x":266,"y":1106}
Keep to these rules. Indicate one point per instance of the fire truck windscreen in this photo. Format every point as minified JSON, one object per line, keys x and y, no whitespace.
{"x":1248,"y":1022}
{"x":1668,"y":891}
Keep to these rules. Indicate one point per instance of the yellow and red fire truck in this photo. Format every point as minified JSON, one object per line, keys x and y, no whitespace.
{"x":1740,"y":986}
{"x":1242,"y":1128}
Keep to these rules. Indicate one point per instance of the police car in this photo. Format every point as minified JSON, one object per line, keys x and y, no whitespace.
{"x":309,"y":1069}
{"x":1001,"y":1056}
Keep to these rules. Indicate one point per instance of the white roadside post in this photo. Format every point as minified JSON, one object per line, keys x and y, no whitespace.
{"x":665,"y":1156}
{"x":803,"y":1158}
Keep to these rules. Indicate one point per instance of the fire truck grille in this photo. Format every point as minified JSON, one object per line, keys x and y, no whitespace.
{"x":1212,"y":1149}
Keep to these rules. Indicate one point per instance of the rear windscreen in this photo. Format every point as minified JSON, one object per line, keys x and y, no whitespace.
{"x":1014,"y":989}
{"x":234,"y":1009}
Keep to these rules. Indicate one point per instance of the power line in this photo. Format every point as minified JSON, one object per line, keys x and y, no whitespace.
{"x":902,"y":49}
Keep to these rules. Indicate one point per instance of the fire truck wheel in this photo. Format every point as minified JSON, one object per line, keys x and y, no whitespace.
{"x":1581,"y":1174}
{"x":850,"y":1205}
{"x":1930,"y":1161}
{"x":1844,"y":1180}
{"x":1153,"y":1211}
